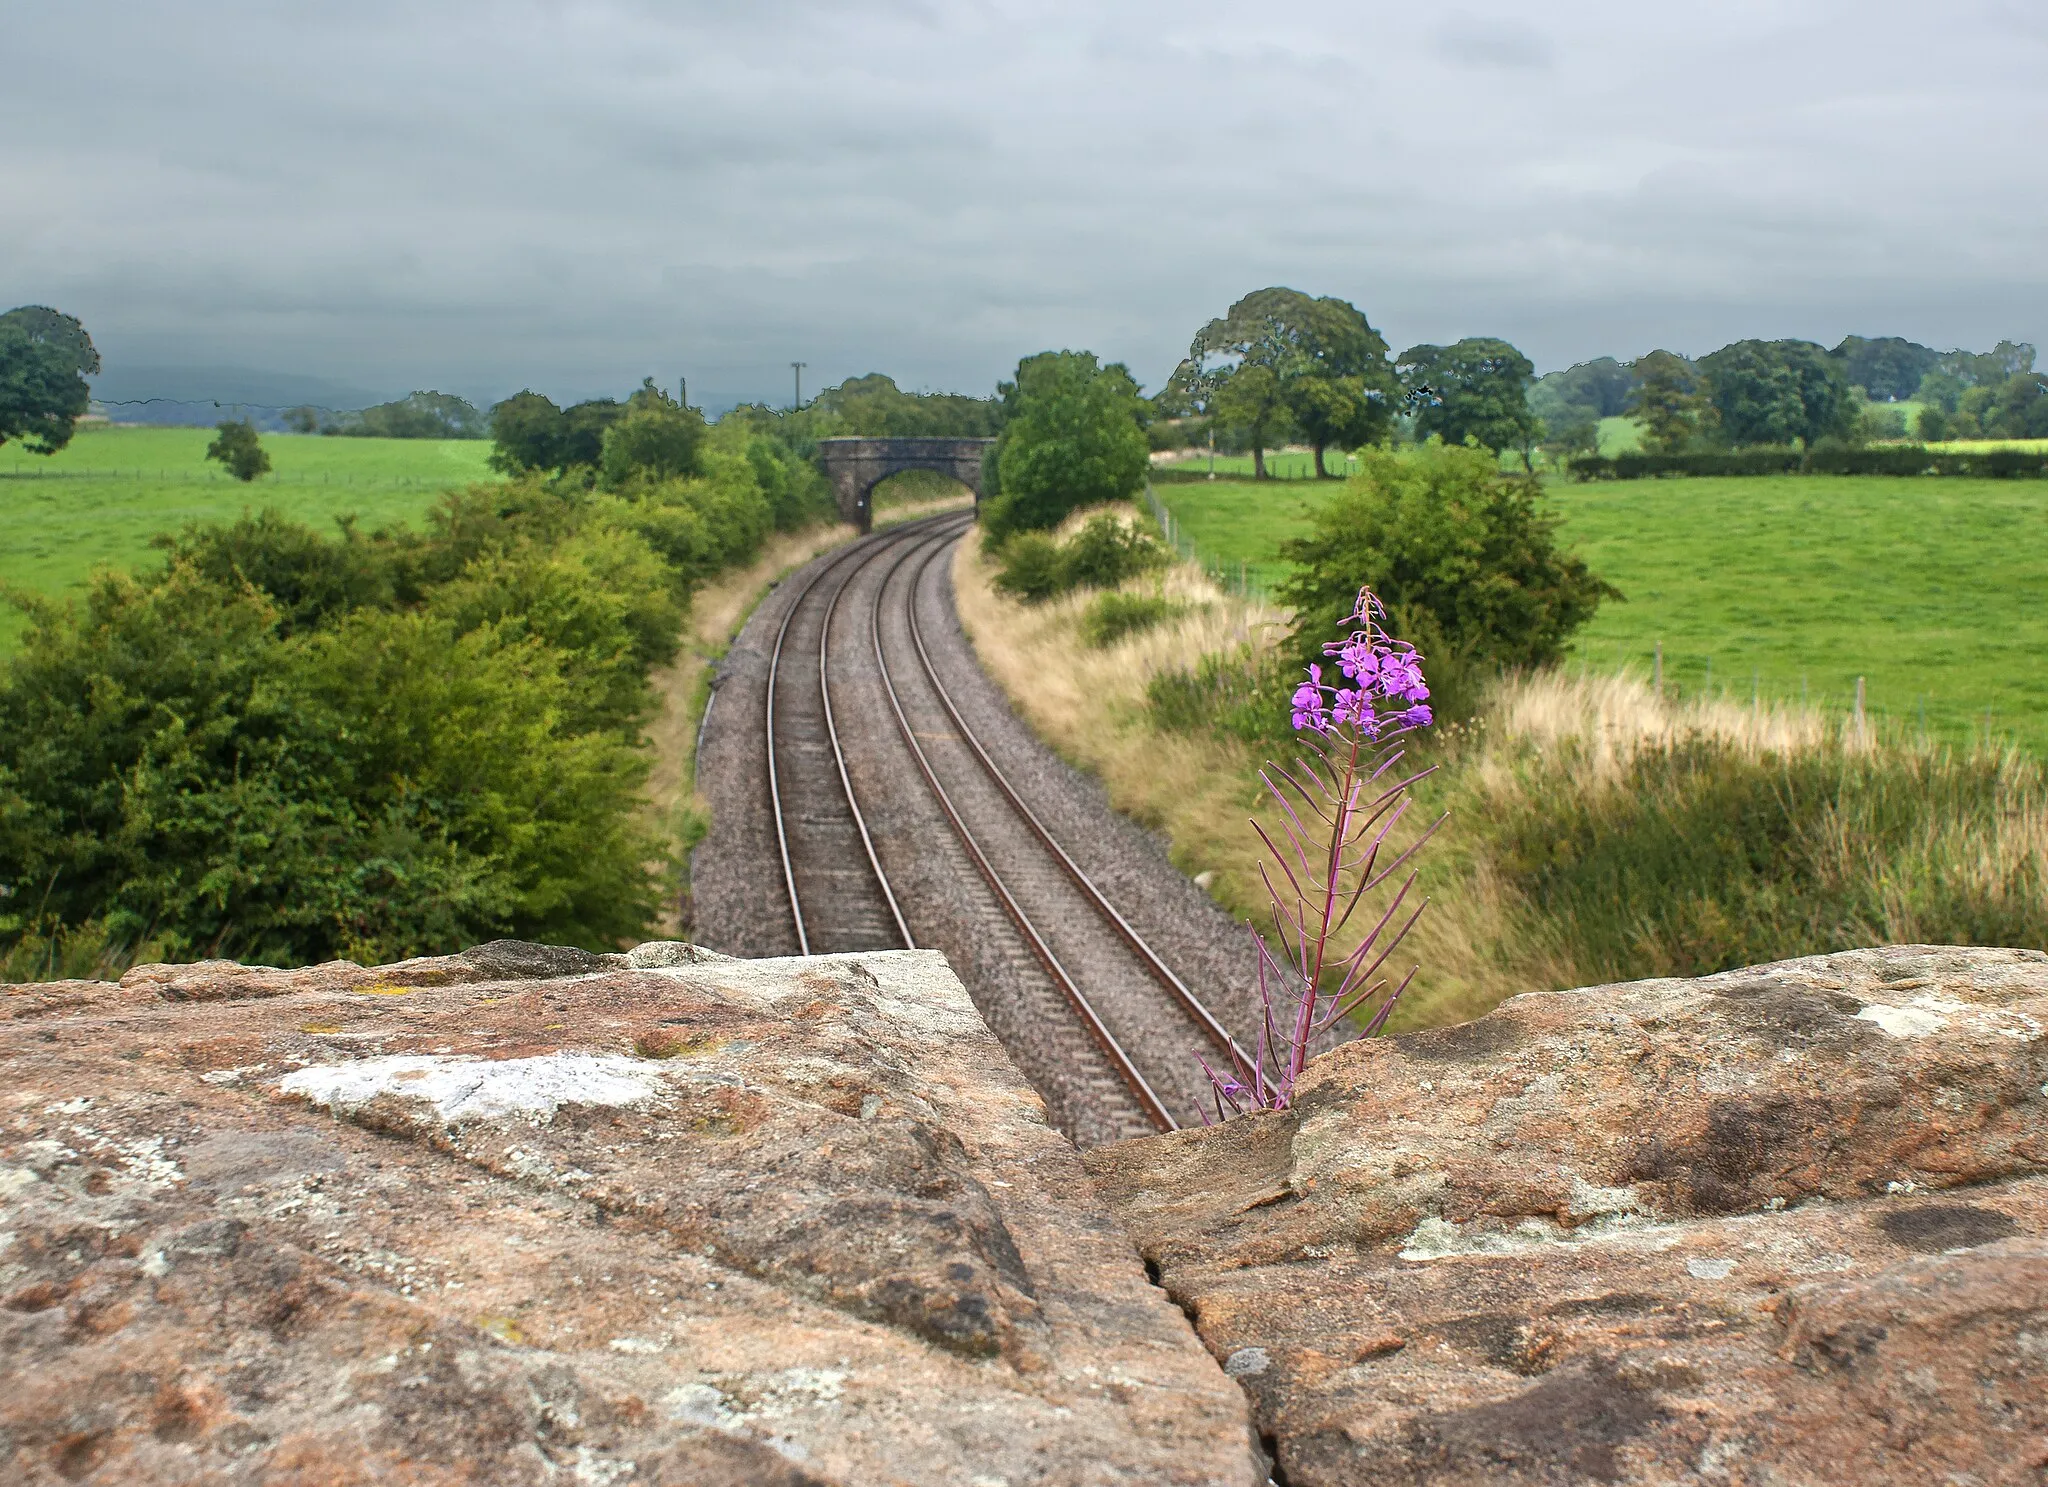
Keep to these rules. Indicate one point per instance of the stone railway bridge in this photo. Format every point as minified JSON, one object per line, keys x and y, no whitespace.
{"x":856,"y":465}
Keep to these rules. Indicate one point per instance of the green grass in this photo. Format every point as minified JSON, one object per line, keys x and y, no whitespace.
{"x":1233,"y":522}
{"x":1280,"y":465}
{"x":1620,"y":435}
{"x":100,"y":499}
{"x":1793,"y":585}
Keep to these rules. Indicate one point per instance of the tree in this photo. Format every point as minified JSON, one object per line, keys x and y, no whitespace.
{"x":1888,"y":368}
{"x":1477,"y":389}
{"x":1988,"y":368}
{"x":1779,"y":392}
{"x":2018,"y":409}
{"x":527,"y":429}
{"x":1280,"y":358}
{"x":1603,"y":385}
{"x":1577,"y":432}
{"x":235,"y":445}
{"x":423,"y":415}
{"x":1941,"y":389}
{"x":875,"y":406}
{"x":1071,"y":437}
{"x":656,"y":438}
{"x":1670,"y":400}
{"x":583,"y":426}
{"x":533,"y":434}
{"x":1465,"y":558}
{"x":45,"y":357}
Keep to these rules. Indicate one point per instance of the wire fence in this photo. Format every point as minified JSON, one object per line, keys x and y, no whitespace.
{"x":1232,"y":581}
{"x":210,"y":477}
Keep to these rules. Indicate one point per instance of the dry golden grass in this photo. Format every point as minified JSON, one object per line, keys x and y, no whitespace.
{"x":1089,"y":706}
{"x":1480,"y":941}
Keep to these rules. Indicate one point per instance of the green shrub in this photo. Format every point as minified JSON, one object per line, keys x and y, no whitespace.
{"x":1238,"y":693}
{"x":1073,"y":437}
{"x":285,"y":747}
{"x":1828,"y":457}
{"x":1464,"y":556}
{"x":1113,"y":616}
{"x":1104,"y":553}
{"x":1028,"y":567}
{"x":176,"y":770}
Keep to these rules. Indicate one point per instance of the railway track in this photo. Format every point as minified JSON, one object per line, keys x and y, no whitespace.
{"x":878,"y":779}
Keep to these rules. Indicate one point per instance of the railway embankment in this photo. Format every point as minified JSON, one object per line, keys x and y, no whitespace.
{"x":870,"y":788}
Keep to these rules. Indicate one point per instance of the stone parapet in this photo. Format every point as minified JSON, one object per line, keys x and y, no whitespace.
{"x":532,"y":1215}
{"x":1782,"y":1225}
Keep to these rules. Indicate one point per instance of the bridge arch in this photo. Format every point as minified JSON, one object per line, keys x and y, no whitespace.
{"x":856,"y":465}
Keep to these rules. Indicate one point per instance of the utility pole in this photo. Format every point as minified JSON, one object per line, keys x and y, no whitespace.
{"x":798,"y":368}
{"x":683,"y":391}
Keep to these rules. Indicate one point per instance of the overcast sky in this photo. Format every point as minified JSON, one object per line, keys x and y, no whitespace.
{"x":572,"y":196}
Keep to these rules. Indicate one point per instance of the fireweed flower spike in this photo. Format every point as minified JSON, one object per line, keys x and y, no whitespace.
{"x":1339,"y":804}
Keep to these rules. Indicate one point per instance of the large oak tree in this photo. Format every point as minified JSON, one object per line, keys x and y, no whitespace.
{"x":45,"y":357}
{"x":1281,"y":361}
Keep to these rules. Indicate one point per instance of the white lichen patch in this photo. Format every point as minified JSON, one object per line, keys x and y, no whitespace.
{"x":464,"y":1089}
{"x":1932,"y":1013}
{"x":1588,"y":1200}
{"x":1439,"y":1239}
{"x":143,"y":1160}
{"x":700,"y":1404}
{"x":13,"y":1180}
{"x":1707,"y":1267}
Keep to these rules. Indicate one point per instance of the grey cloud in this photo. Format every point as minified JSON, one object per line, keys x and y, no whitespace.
{"x":573,"y":196}
{"x":1468,"y":40}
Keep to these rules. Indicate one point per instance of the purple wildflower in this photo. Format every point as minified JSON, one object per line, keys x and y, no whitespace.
{"x":1384,"y":670}
{"x":1343,"y":787}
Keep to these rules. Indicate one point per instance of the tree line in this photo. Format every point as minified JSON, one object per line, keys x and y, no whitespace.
{"x":1281,"y":366}
{"x":1758,"y":393}
{"x":284,"y":745}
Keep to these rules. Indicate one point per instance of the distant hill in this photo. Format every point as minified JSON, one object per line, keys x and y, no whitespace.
{"x":200,"y":396}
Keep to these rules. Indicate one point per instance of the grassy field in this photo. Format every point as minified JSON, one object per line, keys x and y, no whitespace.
{"x":1620,"y":436}
{"x":1789,"y":587}
{"x":1281,"y":464}
{"x":100,"y":499}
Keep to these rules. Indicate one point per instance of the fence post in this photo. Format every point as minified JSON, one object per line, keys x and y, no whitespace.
{"x":1859,"y":707}
{"x":1657,"y":669}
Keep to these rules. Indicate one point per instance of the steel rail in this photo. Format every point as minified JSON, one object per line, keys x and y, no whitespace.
{"x":1161,"y":972}
{"x":839,"y":754}
{"x":1148,"y":1099}
{"x":867,"y":550}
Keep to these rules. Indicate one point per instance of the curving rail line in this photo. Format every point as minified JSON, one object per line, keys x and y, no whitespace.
{"x":923,"y":542}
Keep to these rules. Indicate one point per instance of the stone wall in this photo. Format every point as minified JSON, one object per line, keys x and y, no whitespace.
{"x":1783,"y":1225}
{"x":529,"y":1215}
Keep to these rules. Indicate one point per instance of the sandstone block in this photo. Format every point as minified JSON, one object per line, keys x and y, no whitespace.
{"x":533,"y":1215}
{"x":1782,"y":1225}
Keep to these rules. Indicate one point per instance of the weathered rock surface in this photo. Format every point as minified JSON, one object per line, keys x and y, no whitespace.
{"x":1782,"y":1225}
{"x":531,"y":1215}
